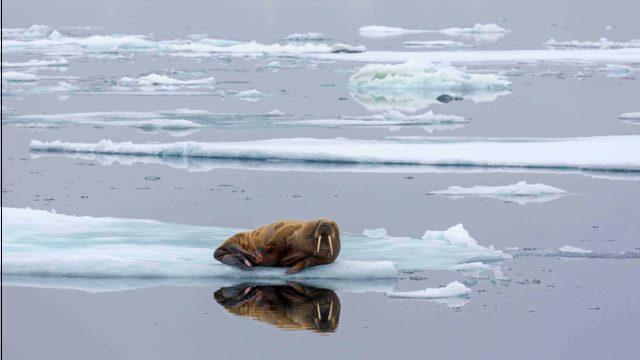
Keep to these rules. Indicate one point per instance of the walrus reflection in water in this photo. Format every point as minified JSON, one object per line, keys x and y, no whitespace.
{"x":291,"y":243}
{"x":293,"y":306}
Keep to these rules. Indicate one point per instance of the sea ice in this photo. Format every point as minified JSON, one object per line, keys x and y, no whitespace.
{"x":573,"y":249}
{"x":630,"y":115}
{"x":36,"y":63}
{"x":435,"y":44}
{"x":305,"y":37}
{"x":16,"y":76}
{"x":601,"y":153}
{"x":453,"y":289}
{"x":416,"y":84}
{"x":479,"y":32}
{"x":521,"y":192}
{"x":46,"y":245}
{"x":602,"y":43}
{"x":617,"y":70}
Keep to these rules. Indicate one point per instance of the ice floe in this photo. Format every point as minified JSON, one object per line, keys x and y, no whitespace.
{"x":521,"y":192}
{"x":36,"y":63}
{"x":43,"y":245}
{"x":51,"y":42}
{"x":602,"y":153}
{"x":391,"y":119}
{"x":17,"y":76}
{"x":602,"y":43}
{"x":617,"y":70}
{"x":570,"y":56}
{"x":573,"y":249}
{"x":170,"y":120}
{"x":416,"y":84}
{"x":160,"y":83}
{"x":630,"y":115}
{"x":435,"y":44}
{"x":304,"y":37}
{"x":250,"y":95}
{"x":453,"y":289}
{"x":479,"y":32}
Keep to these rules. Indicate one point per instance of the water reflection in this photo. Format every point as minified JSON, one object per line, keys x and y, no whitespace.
{"x":292,"y":306}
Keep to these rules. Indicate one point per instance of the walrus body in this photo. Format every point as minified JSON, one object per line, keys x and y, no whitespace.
{"x":287,"y":243}
{"x":293,"y":306}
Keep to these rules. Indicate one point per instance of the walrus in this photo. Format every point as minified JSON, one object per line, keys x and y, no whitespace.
{"x":293,"y":306}
{"x":287,"y":243}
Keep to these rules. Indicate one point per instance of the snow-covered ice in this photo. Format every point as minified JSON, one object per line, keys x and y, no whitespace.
{"x":17,"y":76}
{"x":435,"y":44}
{"x":602,"y":43}
{"x":453,"y":289}
{"x":304,"y":37}
{"x":521,"y":192}
{"x":38,"y":243}
{"x":479,"y":32}
{"x":601,"y":153}
{"x":573,"y":249}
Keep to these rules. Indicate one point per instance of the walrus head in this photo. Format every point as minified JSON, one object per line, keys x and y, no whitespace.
{"x":326,"y":238}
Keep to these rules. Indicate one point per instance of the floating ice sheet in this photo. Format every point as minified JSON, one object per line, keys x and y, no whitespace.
{"x":36,"y":63}
{"x":45,"y":245}
{"x":479,"y":32}
{"x":521,"y":192}
{"x":435,"y":44}
{"x":42,"y":39}
{"x":416,"y":84}
{"x":602,"y":153}
{"x":454,"y":289}
{"x":602,"y":43}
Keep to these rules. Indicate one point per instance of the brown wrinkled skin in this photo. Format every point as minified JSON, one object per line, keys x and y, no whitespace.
{"x":286,"y":243}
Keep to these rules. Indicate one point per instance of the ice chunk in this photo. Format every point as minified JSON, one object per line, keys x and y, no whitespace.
{"x":36,"y":63}
{"x":521,"y":192}
{"x":611,"y":153}
{"x":276,"y":112}
{"x":602,"y":43}
{"x":157,"y":79}
{"x":375,"y":233}
{"x":435,"y":44}
{"x":573,"y":249}
{"x":453,"y":289}
{"x":304,"y":37}
{"x":630,"y":115}
{"x":392,"y":118}
{"x":617,"y":70}
{"x":416,"y":84}
{"x":250,"y":95}
{"x":381,"y":32}
{"x":18,"y":76}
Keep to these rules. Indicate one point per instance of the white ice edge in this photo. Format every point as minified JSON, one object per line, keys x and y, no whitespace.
{"x":38,"y":243}
{"x":602,"y":153}
{"x":453,"y":289}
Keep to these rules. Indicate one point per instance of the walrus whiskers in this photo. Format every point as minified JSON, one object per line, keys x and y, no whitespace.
{"x":330,"y":246}
{"x":318,"y":243}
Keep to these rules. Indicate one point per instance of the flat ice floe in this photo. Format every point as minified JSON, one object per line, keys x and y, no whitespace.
{"x":521,"y":192}
{"x":617,"y":70}
{"x":435,"y":44}
{"x":41,"y":246}
{"x":391,"y":119}
{"x":602,"y":153}
{"x":36,"y":63}
{"x":16,"y":76}
{"x":416,"y":84}
{"x":304,"y":37}
{"x":159,"y":83}
{"x":479,"y":32}
{"x":630,"y":118}
{"x":454,"y":289}
{"x":602,"y":43}
{"x":42,"y":39}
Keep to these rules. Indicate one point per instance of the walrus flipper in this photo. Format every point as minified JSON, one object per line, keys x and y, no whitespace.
{"x":234,"y":255}
{"x":300,"y":265}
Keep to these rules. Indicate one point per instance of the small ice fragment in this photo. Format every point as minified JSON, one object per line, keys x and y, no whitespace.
{"x":630,"y":115}
{"x":375,"y":233}
{"x":17,"y":76}
{"x":454,"y":289}
{"x":152,"y":177}
{"x":574,"y":250}
{"x":276,"y":112}
{"x":301,"y":37}
{"x":249,"y":95}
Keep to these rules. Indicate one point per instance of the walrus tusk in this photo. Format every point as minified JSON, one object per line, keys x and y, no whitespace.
{"x":319,"y":242}
{"x":330,"y":310}
{"x":318,"y":310}
{"x":330,"y":246}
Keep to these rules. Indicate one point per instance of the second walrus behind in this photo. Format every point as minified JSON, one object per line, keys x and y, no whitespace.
{"x":290,"y":243}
